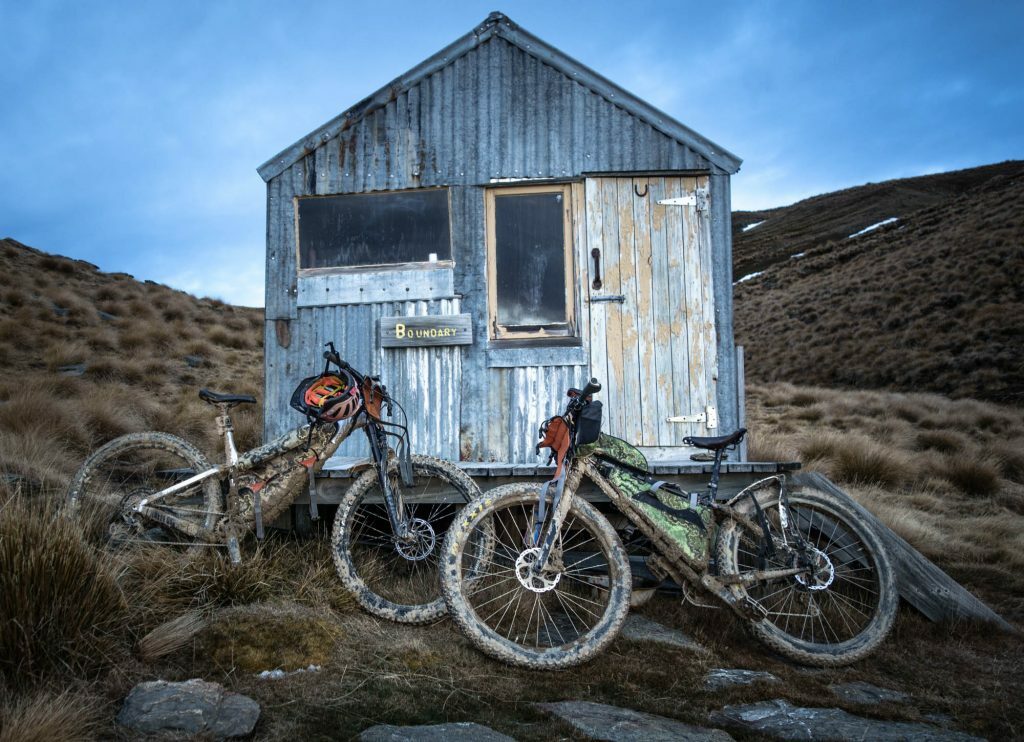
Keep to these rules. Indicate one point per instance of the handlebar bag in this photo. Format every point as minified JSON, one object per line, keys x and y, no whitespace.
{"x":588,"y":424}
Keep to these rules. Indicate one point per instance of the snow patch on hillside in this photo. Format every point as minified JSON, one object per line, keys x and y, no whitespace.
{"x":873,"y":227}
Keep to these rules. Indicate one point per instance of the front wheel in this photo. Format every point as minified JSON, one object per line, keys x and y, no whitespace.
{"x":552,"y":619}
{"x":842,"y":604}
{"x":390,"y":577}
{"x":132,"y":468}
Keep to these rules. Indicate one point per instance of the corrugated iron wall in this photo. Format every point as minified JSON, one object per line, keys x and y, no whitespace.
{"x":496,"y":112}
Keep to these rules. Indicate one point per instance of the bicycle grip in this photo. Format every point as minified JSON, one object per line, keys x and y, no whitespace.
{"x":593,"y":387}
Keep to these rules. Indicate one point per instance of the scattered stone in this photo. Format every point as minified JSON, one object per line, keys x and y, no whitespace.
{"x":106,"y":315}
{"x":194,"y":361}
{"x":72,"y":369}
{"x":462,"y":730}
{"x":782,"y":720}
{"x":279,"y":673}
{"x":59,"y":310}
{"x":639,"y":628}
{"x":720,"y":678}
{"x":866,"y":693}
{"x":194,"y":707}
{"x":614,"y":724}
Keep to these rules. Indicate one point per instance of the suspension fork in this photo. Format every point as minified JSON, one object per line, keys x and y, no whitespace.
{"x":392,"y":499}
{"x":560,"y":503}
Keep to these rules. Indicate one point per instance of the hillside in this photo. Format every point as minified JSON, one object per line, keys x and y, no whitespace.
{"x":87,"y":355}
{"x":932,"y":301}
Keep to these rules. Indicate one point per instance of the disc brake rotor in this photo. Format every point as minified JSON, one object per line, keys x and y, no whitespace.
{"x":822,"y":573}
{"x":537,"y":582}
{"x":420,"y":542}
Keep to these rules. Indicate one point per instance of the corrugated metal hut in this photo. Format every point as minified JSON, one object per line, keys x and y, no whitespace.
{"x":540,"y":223}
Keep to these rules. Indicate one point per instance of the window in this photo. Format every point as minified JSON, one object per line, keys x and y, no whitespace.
{"x":374,"y":229}
{"x":529,"y":255}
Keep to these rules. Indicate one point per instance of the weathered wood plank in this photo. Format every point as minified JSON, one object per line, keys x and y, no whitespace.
{"x":709,"y":338}
{"x":616,"y":378}
{"x":375,"y":286}
{"x":679,"y":324}
{"x":646,"y":304}
{"x":629,"y":391}
{"x":598,"y":312}
{"x":922,"y":584}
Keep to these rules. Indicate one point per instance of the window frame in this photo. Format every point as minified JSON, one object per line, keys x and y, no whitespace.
{"x":557,"y":335}
{"x":374,"y":267}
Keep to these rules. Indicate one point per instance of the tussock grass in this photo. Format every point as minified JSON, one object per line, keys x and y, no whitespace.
{"x":62,"y":607}
{"x":47,"y":716}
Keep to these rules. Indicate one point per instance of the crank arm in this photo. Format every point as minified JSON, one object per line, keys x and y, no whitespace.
{"x":166,"y":519}
{"x":751,"y":578}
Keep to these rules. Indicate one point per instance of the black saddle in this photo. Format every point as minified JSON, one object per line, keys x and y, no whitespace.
{"x":717,"y":443}
{"x":229,"y":399}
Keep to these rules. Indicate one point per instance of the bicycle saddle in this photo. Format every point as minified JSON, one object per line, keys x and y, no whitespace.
{"x":214,"y":398}
{"x":717,"y":443}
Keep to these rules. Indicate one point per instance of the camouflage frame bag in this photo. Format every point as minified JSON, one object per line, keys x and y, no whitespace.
{"x":663,"y":508}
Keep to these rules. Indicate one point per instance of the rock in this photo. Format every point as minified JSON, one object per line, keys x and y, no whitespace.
{"x":462,"y":730}
{"x":638,"y":628}
{"x":720,"y":678}
{"x":59,"y":310}
{"x":72,"y":369}
{"x":194,"y":361}
{"x":107,"y":316}
{"x":782,"y":720}
{"x":598,"y":721}
{"x":866,"y":693}
{"x":193,"y":707}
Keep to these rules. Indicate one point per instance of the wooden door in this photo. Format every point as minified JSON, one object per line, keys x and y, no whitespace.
{"x":652,"y":318}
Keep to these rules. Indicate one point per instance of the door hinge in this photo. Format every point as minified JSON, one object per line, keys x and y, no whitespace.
{"x":709,"y":417}
{"x":698,"y":198}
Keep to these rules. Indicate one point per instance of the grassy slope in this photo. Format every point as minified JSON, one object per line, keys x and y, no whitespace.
{"x":146,"y":349}
{"x":934,"y":302}
{"x":906,"y":456}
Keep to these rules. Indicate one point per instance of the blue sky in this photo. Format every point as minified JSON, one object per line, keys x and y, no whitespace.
{"x":131,"y":131}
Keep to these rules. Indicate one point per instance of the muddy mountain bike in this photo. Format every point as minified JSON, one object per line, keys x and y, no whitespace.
{"x":536,"y":576}
{"x":158,"y":489}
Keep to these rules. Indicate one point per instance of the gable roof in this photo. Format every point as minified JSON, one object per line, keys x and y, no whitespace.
{"x":497,"y":24}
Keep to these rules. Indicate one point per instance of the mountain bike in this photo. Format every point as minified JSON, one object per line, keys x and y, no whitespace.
{"x":157,"y":489}
{"x":536,"y":576}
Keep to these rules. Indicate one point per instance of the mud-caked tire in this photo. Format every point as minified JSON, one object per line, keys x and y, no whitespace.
{"x":577,"y":616}
{"x":389,"y":581}
{"x":835,"y":617}
{"x":126,"y":469}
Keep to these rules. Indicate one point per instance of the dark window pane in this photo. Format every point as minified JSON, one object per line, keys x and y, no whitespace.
{"x":530,"y":259}
{"x":341,"y":231}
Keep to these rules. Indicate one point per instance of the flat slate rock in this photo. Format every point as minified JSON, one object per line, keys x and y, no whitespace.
{"x":194,"y":707}
{"x":781,"y":720}
{"x":638,"y":628}
{"x":720,"y":678}
{"x":866,"y":693}
{"x":462,"y":730}
{"x":614,"y":724}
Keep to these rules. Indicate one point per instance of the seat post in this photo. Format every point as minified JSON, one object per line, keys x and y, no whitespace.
{"x":715,"y":473}
{"x":226,"y":429}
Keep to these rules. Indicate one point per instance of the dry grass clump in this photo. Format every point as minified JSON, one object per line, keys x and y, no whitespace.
{"x":855,"y":458}
{"x":48,"y":716}
{"x":63,"y":610}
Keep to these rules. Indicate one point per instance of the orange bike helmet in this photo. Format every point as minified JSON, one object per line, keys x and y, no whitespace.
{"x":328,"y":397}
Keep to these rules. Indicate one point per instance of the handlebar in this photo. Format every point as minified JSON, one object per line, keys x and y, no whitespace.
{"x":331,"y":356}
{"x":578,"y":397}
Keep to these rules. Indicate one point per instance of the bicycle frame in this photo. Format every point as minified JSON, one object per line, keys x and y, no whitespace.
{"x":666,"y":557}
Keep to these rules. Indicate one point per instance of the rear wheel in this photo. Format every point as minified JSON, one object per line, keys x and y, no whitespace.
{"x":554,"y":619}
{"x":390,"y":577}
{"x":132,"y":468}
{"x":836,"y":611}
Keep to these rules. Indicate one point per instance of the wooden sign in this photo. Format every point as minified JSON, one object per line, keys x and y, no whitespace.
{"x":407,"y":332}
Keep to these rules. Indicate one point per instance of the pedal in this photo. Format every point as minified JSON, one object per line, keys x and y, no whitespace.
{"x":756,"y":611}
{"x":234,"y":552}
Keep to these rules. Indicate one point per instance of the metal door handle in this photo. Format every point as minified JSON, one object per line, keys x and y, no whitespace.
{"x":596,"y":254}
